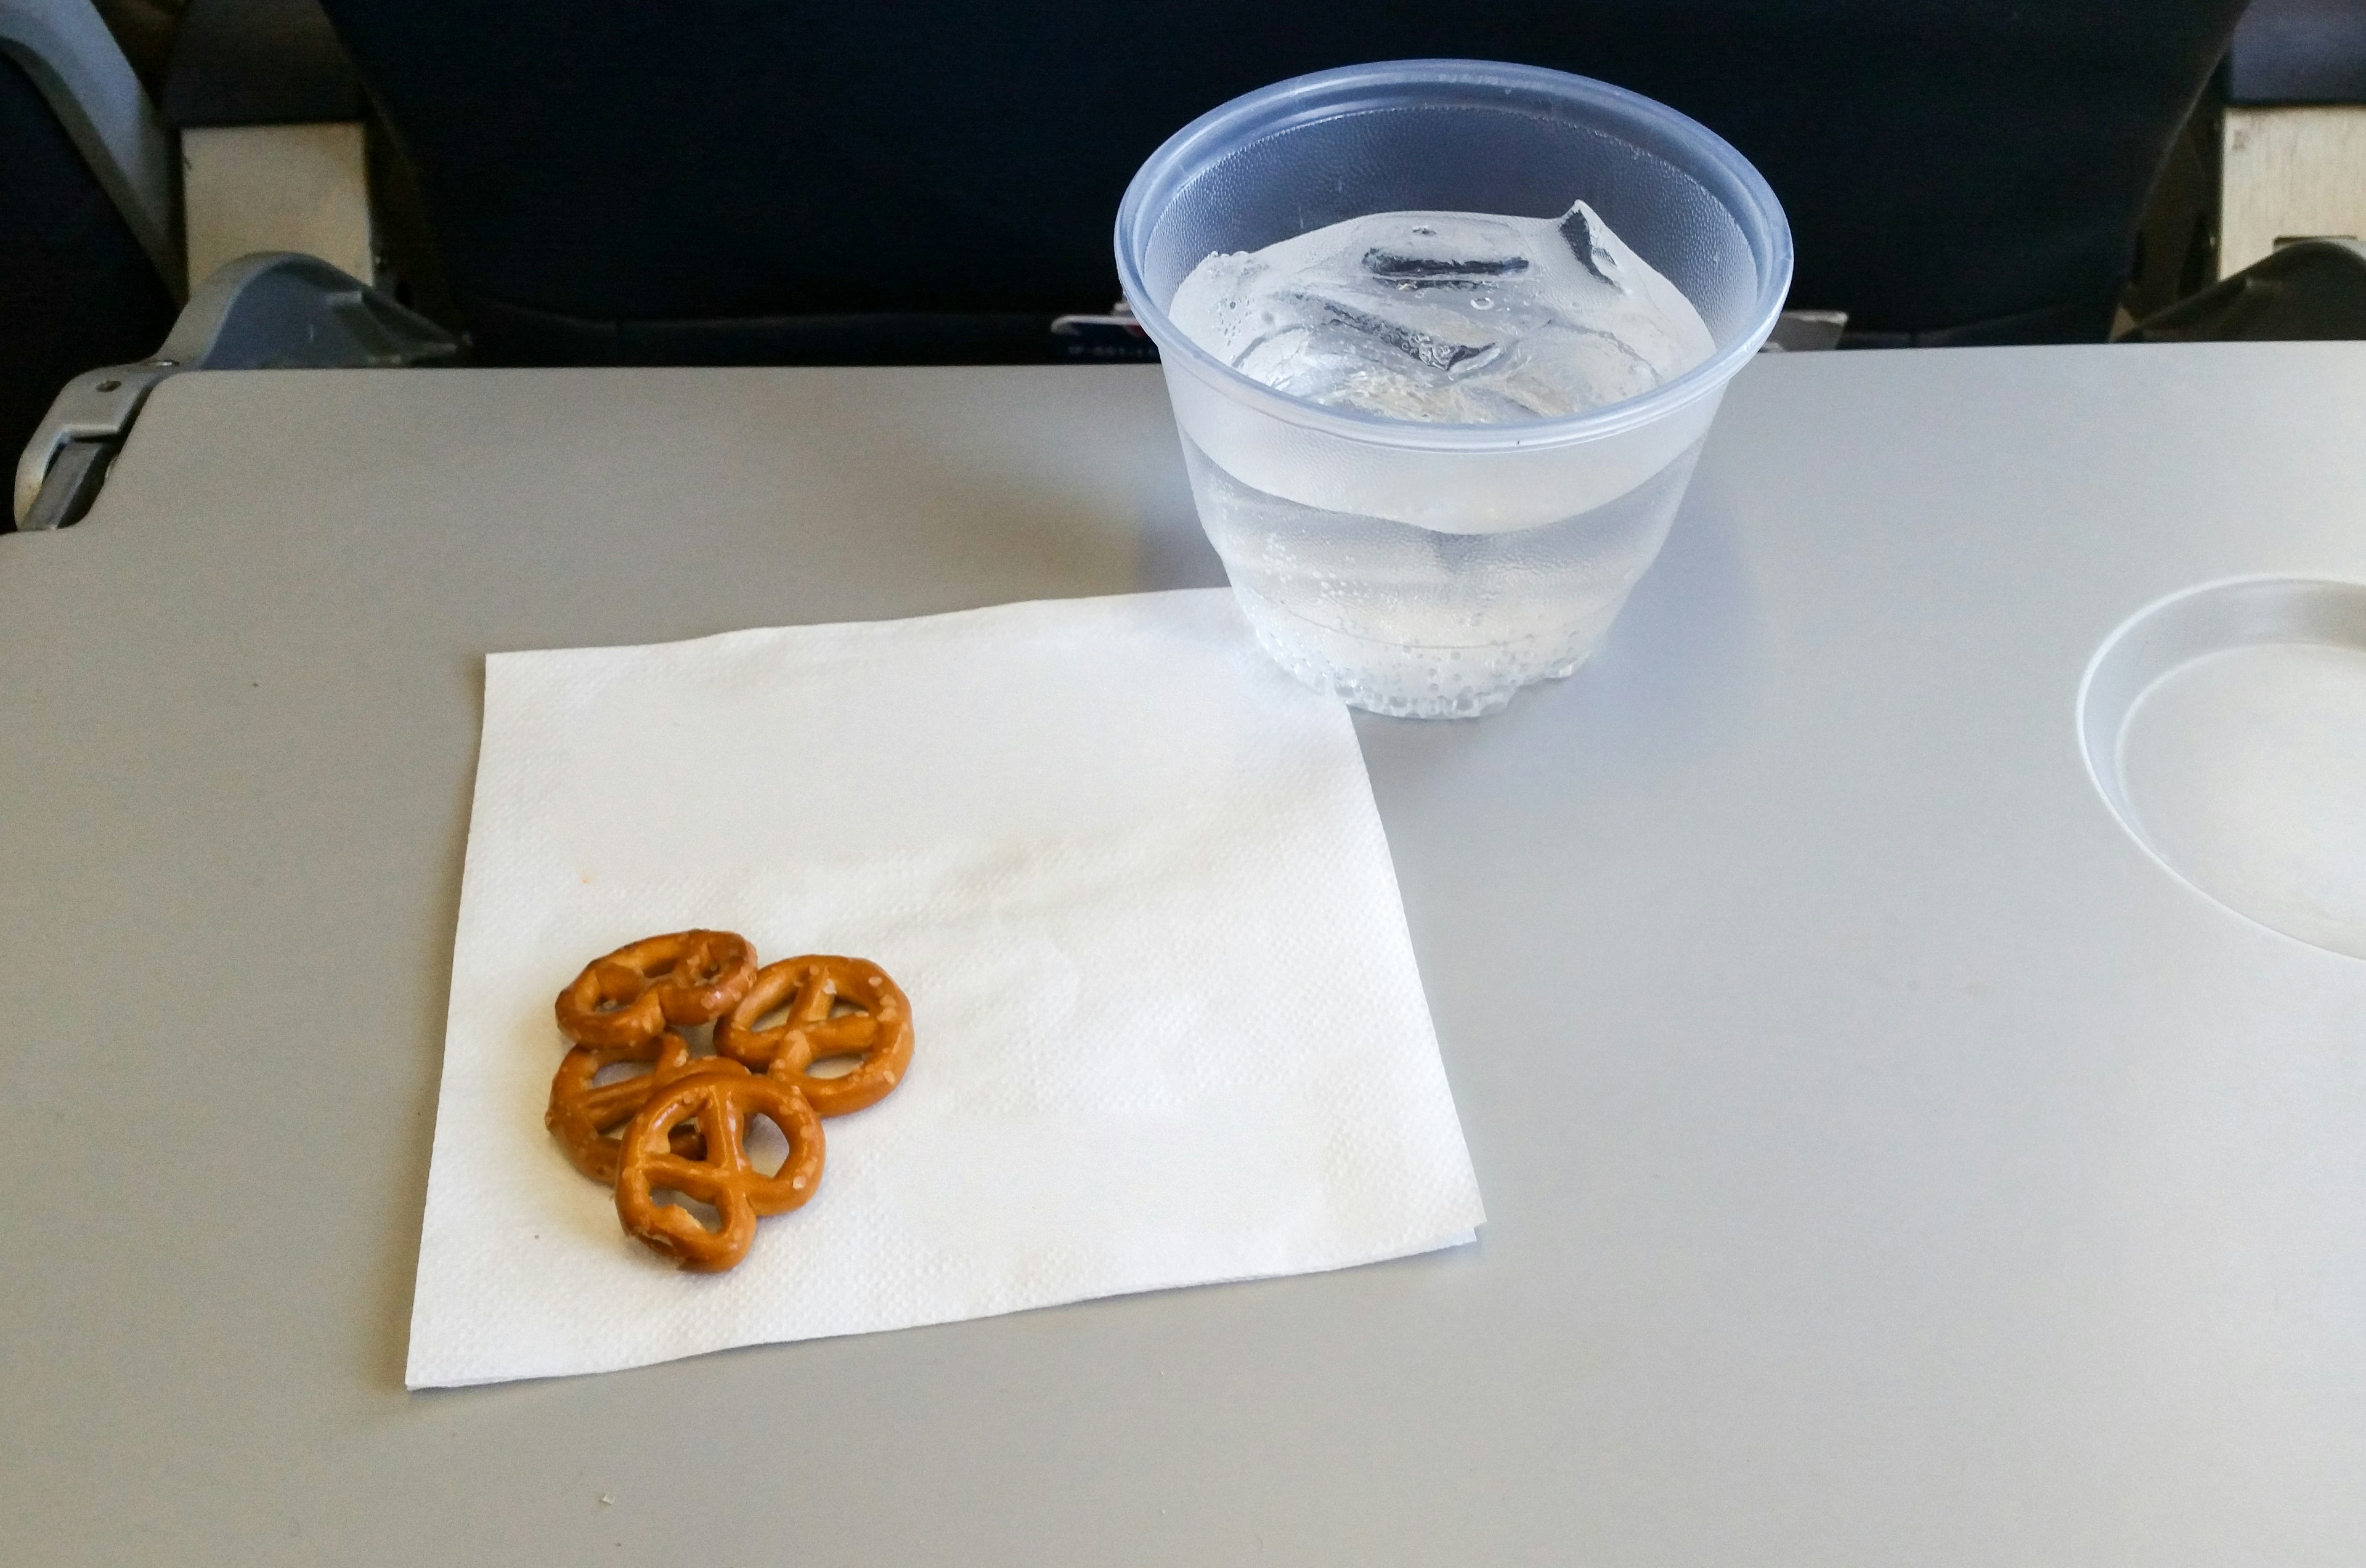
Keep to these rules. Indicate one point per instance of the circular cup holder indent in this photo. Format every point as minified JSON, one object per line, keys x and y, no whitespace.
{"x":2226,"y":729}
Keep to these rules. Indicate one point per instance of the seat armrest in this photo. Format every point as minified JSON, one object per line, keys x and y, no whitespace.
{"x":64,"y":47}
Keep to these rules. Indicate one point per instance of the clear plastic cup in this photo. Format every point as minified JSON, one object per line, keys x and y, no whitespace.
{"x":1433,"y":570}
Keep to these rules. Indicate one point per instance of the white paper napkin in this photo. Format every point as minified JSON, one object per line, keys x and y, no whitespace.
{"x":1169,"y":1029}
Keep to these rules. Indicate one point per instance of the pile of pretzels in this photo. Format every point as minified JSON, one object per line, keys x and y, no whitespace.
{"x":684,"y":1121}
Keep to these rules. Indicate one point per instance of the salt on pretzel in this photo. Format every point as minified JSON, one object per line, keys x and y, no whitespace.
{"x":584,"y":1114}
{"x":629,"y":997}
{"x":721,"y":1098}
{"x":878,"y":1034}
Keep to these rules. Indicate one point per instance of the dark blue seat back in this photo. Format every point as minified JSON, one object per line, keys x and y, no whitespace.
{"x":711,"y":181}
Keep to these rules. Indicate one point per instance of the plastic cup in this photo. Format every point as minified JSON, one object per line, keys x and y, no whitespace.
{"x":1433,"y":570}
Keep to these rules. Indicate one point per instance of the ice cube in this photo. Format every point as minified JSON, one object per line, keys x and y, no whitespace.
{"x":1460,"y":317}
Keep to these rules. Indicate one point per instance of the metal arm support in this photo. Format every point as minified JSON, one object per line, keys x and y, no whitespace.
{"x":2307,"y":289}
{"x":269,"y":310}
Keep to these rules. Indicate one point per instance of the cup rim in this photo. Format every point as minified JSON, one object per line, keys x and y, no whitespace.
{"x":1325,"y":94}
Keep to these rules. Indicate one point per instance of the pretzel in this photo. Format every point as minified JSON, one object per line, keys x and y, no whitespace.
{"x":584,"y":1115}
{"x":629,"y":997}
{"x":722,"y":1097}
{"x":879,"y":1036}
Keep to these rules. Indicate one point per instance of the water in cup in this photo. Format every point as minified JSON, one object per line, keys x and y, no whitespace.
{"x":1439,"y":413}
{"x":1450,"y":318}
{"x":1461,"y":318}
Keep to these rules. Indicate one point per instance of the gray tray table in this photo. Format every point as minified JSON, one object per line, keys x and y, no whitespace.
{"x":1886,"y":1160}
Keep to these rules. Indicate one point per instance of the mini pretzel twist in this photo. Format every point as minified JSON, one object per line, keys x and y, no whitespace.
{"x":629,"y":997}
{"x":720,"y":1097}
{"x":584,"y":1115}
{"x":878,"y":1034}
